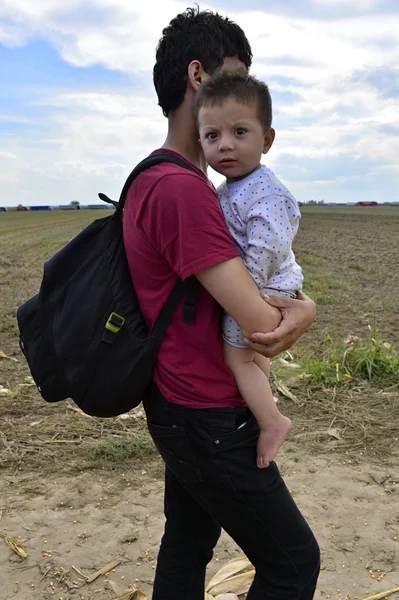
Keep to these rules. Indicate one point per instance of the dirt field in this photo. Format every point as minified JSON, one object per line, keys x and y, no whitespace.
{"x":78,"y":493}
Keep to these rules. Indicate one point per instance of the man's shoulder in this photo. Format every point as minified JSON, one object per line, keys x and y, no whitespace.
{"x":171,"y":179}
{"x":174,"y":184}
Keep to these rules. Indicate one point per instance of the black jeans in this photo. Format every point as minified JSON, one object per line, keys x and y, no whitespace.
{"x":212,"y":481}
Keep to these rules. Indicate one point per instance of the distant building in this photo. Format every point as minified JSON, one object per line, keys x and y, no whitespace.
{"x":98,"y":206}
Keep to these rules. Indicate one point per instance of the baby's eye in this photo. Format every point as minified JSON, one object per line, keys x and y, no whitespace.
{"x":240,"y":131}
{"x":211,"y":135}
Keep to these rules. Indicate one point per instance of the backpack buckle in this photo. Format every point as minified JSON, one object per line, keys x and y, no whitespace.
{"x":115,"y":323}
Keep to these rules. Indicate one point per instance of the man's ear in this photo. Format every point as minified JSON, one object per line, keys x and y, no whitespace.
{"x":268,"y":140}
{"x":195,"y":73}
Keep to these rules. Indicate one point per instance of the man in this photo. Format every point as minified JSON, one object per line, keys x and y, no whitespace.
{"x":174,"y":227}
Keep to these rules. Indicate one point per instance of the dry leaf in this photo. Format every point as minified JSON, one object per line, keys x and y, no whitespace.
{"x":233,"y":583}
{"x":382,"y":595}
{"x":119,"y":590}
{"x":129,"y":596}
{"x":21,"y":386}
{"x":334,"y":433}
{"x":244,"y":589}
{"x":304,"y":376}
{"x":285,"y":391}
{"x":228,"y":570}
{"x":137,"y":595}
{"x":124,"y":593}
{"x":78,"y":410}
{"x":208,"y":596}
{"x":104,"y":570}
{"x":15,"y":547}
{"x":4,"y":391}
{"x":227,"y":597}
{"x":289,"y":365}
{"x":2,"y":355}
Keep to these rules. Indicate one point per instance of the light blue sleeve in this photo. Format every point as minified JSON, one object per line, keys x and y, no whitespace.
{"x":272,"y":223}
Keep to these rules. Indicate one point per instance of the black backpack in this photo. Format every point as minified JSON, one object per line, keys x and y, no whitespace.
{"x":83,"y":334}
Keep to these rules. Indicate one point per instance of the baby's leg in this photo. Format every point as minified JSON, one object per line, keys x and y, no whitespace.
{"x":263,"y":364}
{"x":253,"y":384}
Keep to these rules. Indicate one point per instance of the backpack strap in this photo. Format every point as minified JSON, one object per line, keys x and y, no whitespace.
{"x":183,"y":289}
{"x":154,"y":159}
{"x":187,"y":289}
{"x":150,"y":161}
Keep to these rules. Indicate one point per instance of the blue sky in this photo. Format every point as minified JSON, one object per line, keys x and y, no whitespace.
{"x":77,"y":108}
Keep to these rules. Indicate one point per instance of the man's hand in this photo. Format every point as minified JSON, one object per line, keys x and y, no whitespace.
{"x":297,"y":316}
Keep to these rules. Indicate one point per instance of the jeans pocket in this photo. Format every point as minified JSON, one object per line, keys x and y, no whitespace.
{"x":237,"y":452}
{"x":246,"y":434}
{"x":174,"y":447}
{"x":216,"y":427}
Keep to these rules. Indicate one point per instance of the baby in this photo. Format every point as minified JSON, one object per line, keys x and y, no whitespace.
{"x":234,"y":117}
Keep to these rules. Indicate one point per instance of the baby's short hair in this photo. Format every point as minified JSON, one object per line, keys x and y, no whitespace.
{"x":244,"y":88}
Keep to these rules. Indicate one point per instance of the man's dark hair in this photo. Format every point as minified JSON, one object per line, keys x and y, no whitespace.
{"x":244,"y":88}
{"x":194,"y":35}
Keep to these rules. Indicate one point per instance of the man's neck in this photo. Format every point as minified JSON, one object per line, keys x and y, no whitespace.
{"x":183,"y":137}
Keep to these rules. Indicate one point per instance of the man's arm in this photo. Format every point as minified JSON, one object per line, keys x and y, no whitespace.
{"x":297,"y":316}
{"x":234,"y":289}
{"x":232,"y":286}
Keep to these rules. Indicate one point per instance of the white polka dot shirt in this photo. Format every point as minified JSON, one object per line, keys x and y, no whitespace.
{"x":263,"y":218}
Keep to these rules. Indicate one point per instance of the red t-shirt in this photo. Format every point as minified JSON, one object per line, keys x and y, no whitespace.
{"x":173,"y":227}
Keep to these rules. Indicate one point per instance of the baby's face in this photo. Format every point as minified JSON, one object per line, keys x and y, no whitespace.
{"x":232,"y":137}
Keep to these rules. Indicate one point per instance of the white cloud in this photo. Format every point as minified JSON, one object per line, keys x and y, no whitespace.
{"x":126,"y":35}
{"x":75,"y":171}
{"x":111,"y":105}
{"x":93,"y":125}
{"x":363,"y":4}
{"x":124,"y":39}
{"x":12,"y":35}
{"x":340,"y":46}
{"x":94,"y":137}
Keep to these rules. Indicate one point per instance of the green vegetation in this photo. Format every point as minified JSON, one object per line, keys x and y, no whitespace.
{"x":321,"y":286}
{"x":116,"y":449}
{"x":322,"y":297}
{"x":369,"y":358}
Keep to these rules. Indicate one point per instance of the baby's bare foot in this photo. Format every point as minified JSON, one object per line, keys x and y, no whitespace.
{"x":271,"y":439}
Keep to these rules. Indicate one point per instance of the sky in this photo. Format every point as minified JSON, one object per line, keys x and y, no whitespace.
{"x":78,"y":109}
